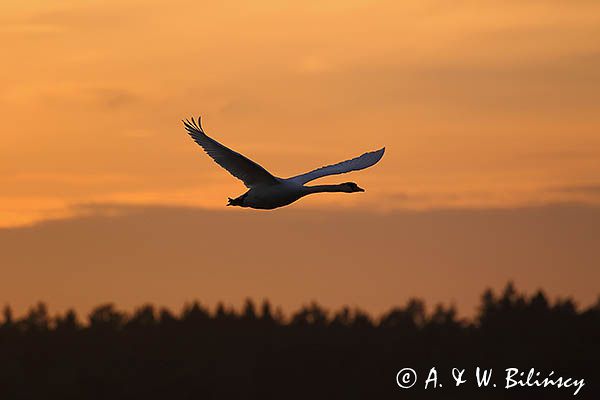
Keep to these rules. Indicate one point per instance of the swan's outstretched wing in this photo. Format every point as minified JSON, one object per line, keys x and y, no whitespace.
{"x":361,"y":162}
{"x":239,"y":166}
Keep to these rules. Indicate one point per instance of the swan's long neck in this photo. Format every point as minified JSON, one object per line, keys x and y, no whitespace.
{"x":324,"y":188}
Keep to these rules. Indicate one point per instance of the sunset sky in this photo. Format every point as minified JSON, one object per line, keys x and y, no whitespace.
{"x":484,"y":107}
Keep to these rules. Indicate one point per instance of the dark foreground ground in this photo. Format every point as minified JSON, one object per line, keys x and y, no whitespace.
{"x":257,"y":354}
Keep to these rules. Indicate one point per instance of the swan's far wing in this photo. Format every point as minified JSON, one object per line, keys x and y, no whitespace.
{"x":355,"y":164}
{"x":239,"y":166}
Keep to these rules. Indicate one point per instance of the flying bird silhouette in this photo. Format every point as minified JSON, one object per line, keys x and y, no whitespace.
{"x":266,"y":190}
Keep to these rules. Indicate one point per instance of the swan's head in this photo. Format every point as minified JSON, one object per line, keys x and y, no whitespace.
{"x":351,"y":187}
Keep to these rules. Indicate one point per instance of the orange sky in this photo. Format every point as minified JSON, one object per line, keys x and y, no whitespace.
{"x":481,"y":104}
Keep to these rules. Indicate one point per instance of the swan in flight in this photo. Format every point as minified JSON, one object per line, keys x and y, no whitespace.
{"x":267,"y":191}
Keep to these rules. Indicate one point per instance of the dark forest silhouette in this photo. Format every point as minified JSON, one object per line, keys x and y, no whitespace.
{"x":257,"y":353}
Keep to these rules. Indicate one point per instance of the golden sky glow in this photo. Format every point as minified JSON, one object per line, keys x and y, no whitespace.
{"x":490,"y":108}
{"x":491,"y":103}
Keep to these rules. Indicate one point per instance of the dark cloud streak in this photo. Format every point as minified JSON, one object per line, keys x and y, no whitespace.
{"x":168,"y":255}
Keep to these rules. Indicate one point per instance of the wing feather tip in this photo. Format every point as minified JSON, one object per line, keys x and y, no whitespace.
{"x":192,"y":127}
{"x":379,"y":153}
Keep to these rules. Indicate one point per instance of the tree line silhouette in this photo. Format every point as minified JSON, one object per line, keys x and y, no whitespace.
{"x":257,"y":353}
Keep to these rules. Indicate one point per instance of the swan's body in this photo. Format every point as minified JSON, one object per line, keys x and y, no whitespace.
{"x":285,"y":192}
{"x":268,"y":191}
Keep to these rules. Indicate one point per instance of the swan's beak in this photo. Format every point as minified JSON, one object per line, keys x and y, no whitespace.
{"x":360,"y":189}
{"x":229,"y":201}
